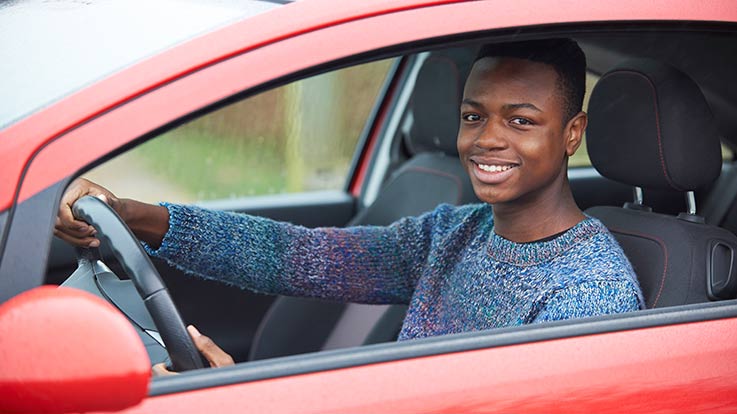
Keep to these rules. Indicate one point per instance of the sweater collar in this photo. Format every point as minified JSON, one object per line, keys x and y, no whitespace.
{"x":530,"y":254}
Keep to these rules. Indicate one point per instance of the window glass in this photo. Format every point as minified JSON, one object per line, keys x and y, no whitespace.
{"x":296,"y":138}
{"x":581,"y":157}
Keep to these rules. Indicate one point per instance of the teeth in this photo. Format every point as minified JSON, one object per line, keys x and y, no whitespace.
{"x":494,"y":168}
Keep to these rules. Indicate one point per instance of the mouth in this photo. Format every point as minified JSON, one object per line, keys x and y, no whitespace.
{"x":495,"y":168}
{"x":493,"y":172}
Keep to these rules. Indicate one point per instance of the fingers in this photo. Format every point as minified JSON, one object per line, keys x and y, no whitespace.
{"x":81,"y":235}
{"x":71,"y":230}
{"x":75,"y":230}
{"x":213,"y":353}
{"x":159,"y":370}
{"x":65,"y":218}
{"x":77,"y":241}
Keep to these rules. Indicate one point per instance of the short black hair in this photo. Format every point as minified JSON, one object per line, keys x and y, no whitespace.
{"x":564,"y":55}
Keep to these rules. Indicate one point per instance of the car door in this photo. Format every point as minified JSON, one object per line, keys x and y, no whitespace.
{"x":655,"y":360}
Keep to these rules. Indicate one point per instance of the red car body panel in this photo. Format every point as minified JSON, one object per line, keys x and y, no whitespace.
{"x":646,"y":370}
{"x":309,"y":25}
{"x":33,"y":375}
{"x":689,"y":367}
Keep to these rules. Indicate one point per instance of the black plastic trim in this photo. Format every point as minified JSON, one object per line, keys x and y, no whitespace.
{"x":309,"y":209}
{"x":29,"y":227}
{"x":3,"y":221}
{"x":372,"y":354}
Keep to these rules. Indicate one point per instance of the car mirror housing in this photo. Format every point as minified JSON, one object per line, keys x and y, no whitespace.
{"x":89,"y":359}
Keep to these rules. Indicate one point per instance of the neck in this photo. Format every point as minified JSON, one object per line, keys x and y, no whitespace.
{"x":539,"y":216}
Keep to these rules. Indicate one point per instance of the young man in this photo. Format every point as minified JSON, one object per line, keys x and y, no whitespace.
{"x":525,"y":255}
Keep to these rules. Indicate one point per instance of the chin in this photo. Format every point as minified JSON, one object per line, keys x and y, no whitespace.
{"x":488,"y":196}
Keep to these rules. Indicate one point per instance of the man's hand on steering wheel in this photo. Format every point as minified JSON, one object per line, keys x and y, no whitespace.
{"x":77,"y":232}
{"x":148,"y":222}
{"x":213,"y":353}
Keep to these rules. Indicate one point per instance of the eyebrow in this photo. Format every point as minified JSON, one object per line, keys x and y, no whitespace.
{"x":471,"y":102}
{"x":506,"y":107}
{"x":525,"y":105}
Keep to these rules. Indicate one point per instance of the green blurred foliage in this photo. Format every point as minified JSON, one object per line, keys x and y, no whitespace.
{"x":298,"y":137}
{"x":211,"y":165}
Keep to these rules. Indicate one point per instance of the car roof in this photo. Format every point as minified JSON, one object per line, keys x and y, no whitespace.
{"x":84,"y":41}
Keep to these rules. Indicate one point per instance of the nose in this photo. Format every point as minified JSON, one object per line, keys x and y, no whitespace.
{"x":492,"y":136}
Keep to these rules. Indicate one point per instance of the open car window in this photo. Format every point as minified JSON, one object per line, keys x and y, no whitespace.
{"x":300,"y":137}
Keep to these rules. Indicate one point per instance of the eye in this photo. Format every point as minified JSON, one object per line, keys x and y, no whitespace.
{"x":471,"y":117}
{"x":521,"y":121}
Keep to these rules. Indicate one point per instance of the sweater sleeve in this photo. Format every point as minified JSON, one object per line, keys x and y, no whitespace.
{"x":590,"y":298}
{"x":367,"y":264}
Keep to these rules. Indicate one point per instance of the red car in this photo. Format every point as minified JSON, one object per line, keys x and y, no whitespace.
{"x":105,"y":78}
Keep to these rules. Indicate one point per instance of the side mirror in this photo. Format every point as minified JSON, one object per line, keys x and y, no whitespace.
{"x":65,"y":350}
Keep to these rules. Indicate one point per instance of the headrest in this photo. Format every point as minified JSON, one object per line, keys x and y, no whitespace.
{"x":435,"y":106}
{"x":650,"y":126}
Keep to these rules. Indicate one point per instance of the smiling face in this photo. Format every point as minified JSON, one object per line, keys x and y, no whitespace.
{"x":513,"y":139}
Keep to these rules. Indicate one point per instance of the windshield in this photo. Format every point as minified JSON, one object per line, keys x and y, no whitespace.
{"x":84,"y":41}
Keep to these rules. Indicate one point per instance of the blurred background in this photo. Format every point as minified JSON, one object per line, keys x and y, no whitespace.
{"x":295,"y":138}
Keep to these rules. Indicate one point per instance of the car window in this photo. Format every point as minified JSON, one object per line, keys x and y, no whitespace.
{"x":300,"y":137}
{"x":581,"y":157}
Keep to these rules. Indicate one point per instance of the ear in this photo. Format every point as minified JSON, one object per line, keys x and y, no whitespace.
{"x":574,"y":132}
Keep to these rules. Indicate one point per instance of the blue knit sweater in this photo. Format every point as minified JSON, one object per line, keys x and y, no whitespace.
{"x":451,"y":268}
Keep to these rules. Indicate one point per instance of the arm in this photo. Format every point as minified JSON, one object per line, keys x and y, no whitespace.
{"x":363,"y":264}
{"x":590,"y":299}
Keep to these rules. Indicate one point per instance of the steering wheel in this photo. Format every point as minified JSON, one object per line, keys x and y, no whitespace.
{"x":112,"y":230}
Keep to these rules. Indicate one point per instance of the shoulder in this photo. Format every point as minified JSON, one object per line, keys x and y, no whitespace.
{"x":598,"y":251}
{"x":467,"y":212}
{"x":591,"y":298}
{"x":447,"y":221}
{"x":448,"y":218}
{"x":597,"y":263}
{"x":618,"y":293}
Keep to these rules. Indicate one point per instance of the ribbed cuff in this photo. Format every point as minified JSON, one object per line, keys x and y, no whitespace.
{"x":177,"y":220}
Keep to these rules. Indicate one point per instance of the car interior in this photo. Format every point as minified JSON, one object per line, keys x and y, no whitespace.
{"x":662,"y":179}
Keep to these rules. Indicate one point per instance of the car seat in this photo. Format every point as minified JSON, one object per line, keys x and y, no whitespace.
{"x":650,"y":127}
{"x":431,"y":176}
